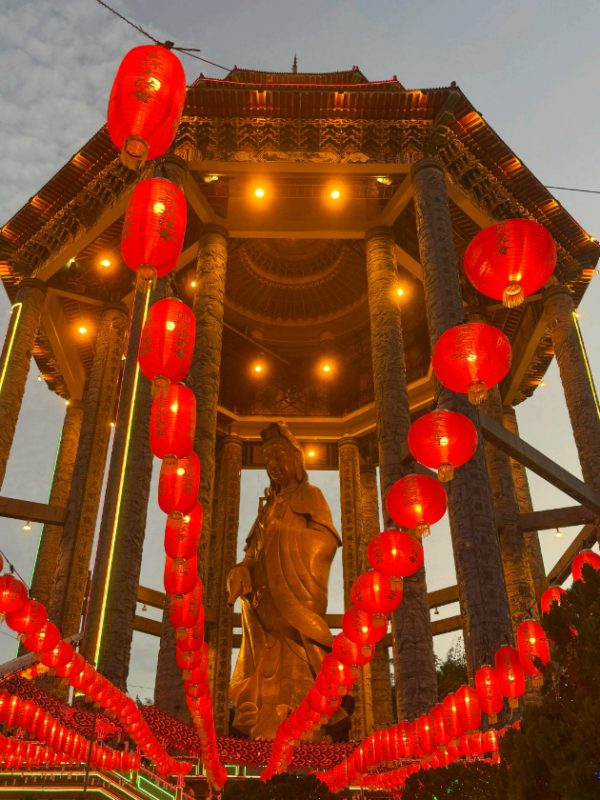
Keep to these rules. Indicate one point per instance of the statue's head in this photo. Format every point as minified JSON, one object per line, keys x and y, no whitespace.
{"x":284,"y":456}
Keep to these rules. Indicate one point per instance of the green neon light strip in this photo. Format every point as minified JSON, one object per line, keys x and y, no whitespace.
{"x":113,"y":536}
{"x":153,"y":790}
{"x":13,"y":325}
{"x":587,"y":363}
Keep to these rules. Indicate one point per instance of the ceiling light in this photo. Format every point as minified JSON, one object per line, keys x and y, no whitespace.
{"x":105,"y":262}
{"x":27,"y":526}
{"x":82,"y":329}
{"x":259,"y":192}
{"x":559,"y":534}
{"x":399,"y":291}
{"x":311,"y":454}
{"x":193,"y":284}
{"x":335,"y":194}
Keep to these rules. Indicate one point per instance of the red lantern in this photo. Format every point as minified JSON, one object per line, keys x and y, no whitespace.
{"x":452,"y":720}
{"x":424,"y":731}
{"x":587,"y":557}
{"x":181,"y":575}
{"x":13,"y":594}
{"x":489,"y":741}
{"x":440,"y":736}
{"x":326,"y":686}
{"x":510,"y":260}
{"x":471,"y":358}
{"x":489,"y":693}
{"x":551,"y":595}
{"x":532,"y":642}
{"x":29,"y":618}
{"x":406,"y":741}
{"x":173,"y":423}
{"x":182,"y":534}
{"x":178,"y":486}
{"x":468,"y":707}
{"x":146,"y":102}
{"x":511,"y":677}
{"x":334,"y":670}
{"x":61,"y":654}
{"x":184,"y":609}
{"x":153,"y":229}
{"x":416,"y":502}
{"x":167,"y":342}
{"x":43,"y":639}
{"x":373,"y":592}
{"x":397,"y":554}
{"x":443,"y":440}
{"x":363,"y":628}
{"x":192,"y":638}
{"x":72,"y":668}
{"x":350,"y":653}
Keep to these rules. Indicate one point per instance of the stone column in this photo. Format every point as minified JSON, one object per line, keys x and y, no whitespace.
{"x":414,"y":665}
{"x":14,"y":362}
{"x":535,"y":559}
{"x":223,"y":558}
{"x":482,"y":593}
{"x":78,"y":533}
{"x":204,"y":379}
{"x":576,"y":380}
{"x":520,"y":588}
{"x":116,"y":575}
{"x":47,"y":555}
{"x":352,"y":538}
{"x":381,"y":684}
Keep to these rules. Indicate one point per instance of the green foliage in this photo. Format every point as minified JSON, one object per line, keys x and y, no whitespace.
{"x":556,"y":756}
{"x":289,"y":786}
{"x":451,"y":671}
{"x":459,"y":781}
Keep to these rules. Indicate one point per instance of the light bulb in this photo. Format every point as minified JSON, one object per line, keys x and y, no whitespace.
{"x":159,"y":207}
{"x":180,"y":471}
{"x":170,"y":325}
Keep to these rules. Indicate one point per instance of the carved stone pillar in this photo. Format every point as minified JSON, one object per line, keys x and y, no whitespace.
{"x":381,"y":684}
{"x":482,"y":594}
{"x":15,"y":359}
{"x":78,"y":532}
{"x":116,"y":574}
{"x":520,"y":588}
{"x":352,"y":538}
{"x":576,"y":380}
{"x":45,"y":563}
{"x":533,"y":549}
{"x":224,"y":558}
{"x":203,"y":379}
{"x":414,"y":666}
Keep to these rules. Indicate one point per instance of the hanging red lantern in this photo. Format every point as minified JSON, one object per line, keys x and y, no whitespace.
{"x":452,"y":720}
{"x":43,"y":639}
{"x":13,"y":594}
{"x":585,"y":557}
{"x":440,"y":736}
{"x":325,"y":706}
{"x":443,"y":440}
{"x":510,"y":260}
{"x":424,"y":731}
{"x":326,"y":686}
{"x":167,"y":342}
{"x":334,"y":670}
{"x":181,"y":575}
{"x":178,"y":486}
{"x":29,"y":618}
{"x":489,"y":741}
{"x":154,"y":229}
{"x":184,"y":609}
{"x":173,"y":423}
{"x":146,"y":103}
{"x":532,"y":643}
{"x":416,"y":502}
{"x":363,"y":628}
{"x":60,"y":654}
{"x":182,"y":534}
{"x":472,"y":358}
{"x":373,"y":592}
{"x":397,"y":554}
{"x":551,"y":595}
{"x":350,"y":653}
{"x":489,"y":693}
{"x":511,"y":677}
{"x":468,"y":707}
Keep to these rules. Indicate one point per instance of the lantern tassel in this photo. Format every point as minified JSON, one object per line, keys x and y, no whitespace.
{"x":512,"y":295}
{"x":445,"y":472}
{"x":134,"y":152}
{"x":477,"y":393}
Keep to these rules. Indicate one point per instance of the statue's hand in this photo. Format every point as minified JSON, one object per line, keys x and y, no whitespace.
{"x":239,"y":583}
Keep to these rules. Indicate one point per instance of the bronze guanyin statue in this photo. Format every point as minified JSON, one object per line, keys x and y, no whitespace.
{"x":282,"y":583}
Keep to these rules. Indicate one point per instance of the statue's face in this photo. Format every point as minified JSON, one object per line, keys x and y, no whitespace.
{"x":279,"y":457}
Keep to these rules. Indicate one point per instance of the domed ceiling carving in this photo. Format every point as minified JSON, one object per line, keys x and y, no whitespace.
{"x":288,"y":282}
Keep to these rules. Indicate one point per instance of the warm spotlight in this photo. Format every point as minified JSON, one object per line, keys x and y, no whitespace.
{"x":105,"y":263}
{"x":311,"y":454}
{"x":82,"y":329}
{"x":326,"y":367}
{"x":259,"y":192}
{"x":335,"y":194}
{"x":193,"y":284}
{"x":399,"y":291}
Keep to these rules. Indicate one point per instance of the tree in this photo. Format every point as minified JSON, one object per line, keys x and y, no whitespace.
{"x":451,"y":671}
{"x":459,"y":781}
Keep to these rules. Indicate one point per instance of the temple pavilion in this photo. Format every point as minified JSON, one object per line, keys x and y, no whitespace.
{"x":327,"y":220}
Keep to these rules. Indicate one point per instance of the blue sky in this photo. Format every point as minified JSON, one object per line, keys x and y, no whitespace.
{"x":530,"y":67}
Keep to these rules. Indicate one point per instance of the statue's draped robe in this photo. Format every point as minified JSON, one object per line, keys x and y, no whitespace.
{"x":284,"y":633}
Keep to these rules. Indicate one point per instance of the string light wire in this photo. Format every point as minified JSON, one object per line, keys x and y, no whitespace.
{"x":187,"y":51}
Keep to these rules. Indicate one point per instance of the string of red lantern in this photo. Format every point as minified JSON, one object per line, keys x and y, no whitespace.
{"x":29,"y":619}
{"x":60,"y":740}
{"x":166,"y":349}
{"x":442,"y":440}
